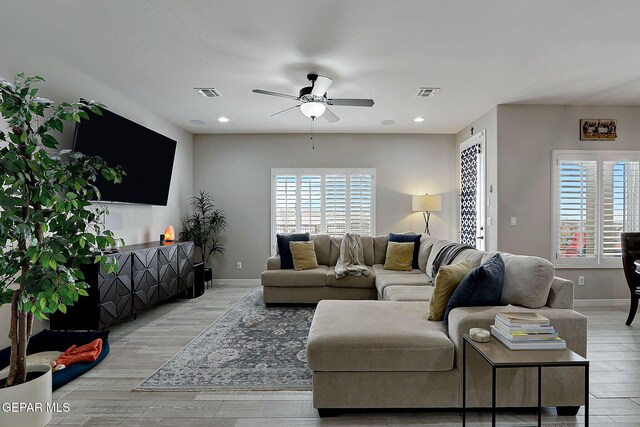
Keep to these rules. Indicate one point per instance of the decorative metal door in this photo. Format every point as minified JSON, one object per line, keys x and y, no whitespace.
{"x":472,"y":191}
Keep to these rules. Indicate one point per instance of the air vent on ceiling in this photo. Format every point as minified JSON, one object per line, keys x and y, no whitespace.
{"x":208,"y":92}
{"x":428,"y":91}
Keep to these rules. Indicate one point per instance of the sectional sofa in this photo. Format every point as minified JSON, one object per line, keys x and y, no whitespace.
{"x":382,"y":352}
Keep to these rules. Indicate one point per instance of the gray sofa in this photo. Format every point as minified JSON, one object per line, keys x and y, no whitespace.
{"x":312,"y":286}
{"x":386,"y":354}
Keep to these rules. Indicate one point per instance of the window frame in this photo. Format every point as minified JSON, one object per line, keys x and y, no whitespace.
{"x":600,"y":156}
{"x":322,"y":172}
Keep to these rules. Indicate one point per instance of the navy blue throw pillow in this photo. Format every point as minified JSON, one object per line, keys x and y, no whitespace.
{"x":481,"y":287}
{"x":286,"y":260}
{"x":407,"y":238}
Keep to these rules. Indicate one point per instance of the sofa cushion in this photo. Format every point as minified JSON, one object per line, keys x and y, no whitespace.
{"x":482,"y":286}
{"x":334,"y":249}
{"x":367,"y":249}
{"x":426,"y":243}
{"x":379,"y":249}
{"x":379,"y":270}
{"x":472,"y":255}
{"x":298,"y":279}
{"x":376,"y":336}
{"x":399,"y":256}
{"x":286,"y":262}
{"x":447,"y":280}
{"x":405,"y":238}
{"x":407,"y":293}
{"x":435,"y":249}
{"x":322,"y":244}
{"x":351,"y":281}
{"x":303,"y":255}
{"x":527,"y":280}
{"x":386,"y":280}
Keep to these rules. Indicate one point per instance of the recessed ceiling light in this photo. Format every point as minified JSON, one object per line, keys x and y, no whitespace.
{"x":198,"y":122}
{"x":388,"y":122}
{"x":223,"y":119}
{"x":418,"y":120}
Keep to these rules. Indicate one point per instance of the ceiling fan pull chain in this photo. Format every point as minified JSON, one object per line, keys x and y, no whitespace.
{"x":313,"y":132}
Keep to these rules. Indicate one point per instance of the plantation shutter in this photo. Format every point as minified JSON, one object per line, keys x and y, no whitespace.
{"x":310,"y":204}
{"x":332,"y":201}
{"x":285,"y":204}
{"x":621,"y":203}
{"x":336,"y":204}
{"x":360,"y":203}
{"x":578,"y":203}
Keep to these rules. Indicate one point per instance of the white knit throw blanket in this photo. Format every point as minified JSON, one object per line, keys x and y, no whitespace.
{"x":349,"y":262}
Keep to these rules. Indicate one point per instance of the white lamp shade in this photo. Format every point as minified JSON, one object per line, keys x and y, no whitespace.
{"x":313,"y":109}
{"x":426,"y":203}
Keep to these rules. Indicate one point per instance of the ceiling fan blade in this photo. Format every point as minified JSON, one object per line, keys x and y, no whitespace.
{"x":285,"y":110}
{"x":321,"y":86}
{"x":282,"y":95}
{"x":331,"y":118}
{"x":351,"y":102}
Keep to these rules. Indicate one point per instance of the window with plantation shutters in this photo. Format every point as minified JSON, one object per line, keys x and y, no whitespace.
{"x":332,"y":201}
{"x":620,"y":202}
{"x":596,"y":197}
{"x":360,"y":203}
{"x":285,"y":204}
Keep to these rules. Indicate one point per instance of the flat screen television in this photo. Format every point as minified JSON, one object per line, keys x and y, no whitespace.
{"x":145,"y":155}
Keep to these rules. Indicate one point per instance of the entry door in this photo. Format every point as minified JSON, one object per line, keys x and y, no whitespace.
{"x":472,"y":191}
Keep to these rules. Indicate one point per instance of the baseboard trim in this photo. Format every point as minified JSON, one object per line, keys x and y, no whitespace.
{"x":600,"y":302}
{"x":236,"y":282}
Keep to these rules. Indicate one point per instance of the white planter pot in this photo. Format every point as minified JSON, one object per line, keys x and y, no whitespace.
{"x":27,"y":404}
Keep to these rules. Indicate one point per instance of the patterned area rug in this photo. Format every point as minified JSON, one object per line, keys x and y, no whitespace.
{"x":250,"y":347}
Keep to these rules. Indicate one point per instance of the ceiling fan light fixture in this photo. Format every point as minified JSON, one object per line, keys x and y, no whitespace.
{"x":313,"y":109}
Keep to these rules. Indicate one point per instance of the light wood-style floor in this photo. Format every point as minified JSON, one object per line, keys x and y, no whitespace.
{"x":103,"y":397}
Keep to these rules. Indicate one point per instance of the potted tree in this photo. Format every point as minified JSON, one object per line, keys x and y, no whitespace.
{"x":48,"y":227}
{"x":203,"y":225}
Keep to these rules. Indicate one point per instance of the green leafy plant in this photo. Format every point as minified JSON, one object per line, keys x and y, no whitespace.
{"x":48,"y":227}
{"x":203,"y":225}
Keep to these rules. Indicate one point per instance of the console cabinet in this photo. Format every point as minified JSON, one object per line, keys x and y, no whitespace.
{"x":147,"y":274}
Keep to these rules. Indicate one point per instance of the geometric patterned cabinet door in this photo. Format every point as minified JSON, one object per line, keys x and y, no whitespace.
{"x":168,"y":271}
{"x":145,"y":279}
{"x":115,"y":291}
{"x":147,"y":274}
{"x":185,"y":266}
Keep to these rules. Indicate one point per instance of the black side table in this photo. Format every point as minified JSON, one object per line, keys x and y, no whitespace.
{"x":498,"y":356}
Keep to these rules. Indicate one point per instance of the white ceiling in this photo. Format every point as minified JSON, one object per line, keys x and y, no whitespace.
{"x":481,"y":53}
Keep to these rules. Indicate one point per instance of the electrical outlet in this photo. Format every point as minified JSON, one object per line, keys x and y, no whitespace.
{"x":238,"y":265}
{"x":581,"y":280}
{"x":514,"y":220}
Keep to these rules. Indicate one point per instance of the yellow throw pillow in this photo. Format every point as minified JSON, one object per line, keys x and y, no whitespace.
{"x":399,"y":256}
{"x":447,"y":280}
{"x":304,"y":255}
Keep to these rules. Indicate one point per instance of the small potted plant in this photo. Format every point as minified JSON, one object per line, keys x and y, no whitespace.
{"x":48,"y":228}
{"x":203,"y":225}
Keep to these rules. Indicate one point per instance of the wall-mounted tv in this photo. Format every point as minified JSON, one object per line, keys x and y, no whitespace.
{"x":145,"y":155}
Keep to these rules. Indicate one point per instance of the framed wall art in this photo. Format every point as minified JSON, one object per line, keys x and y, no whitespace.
{"x":598,"y":129}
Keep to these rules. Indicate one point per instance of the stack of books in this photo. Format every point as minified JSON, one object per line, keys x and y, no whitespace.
{"x":526,"y":331}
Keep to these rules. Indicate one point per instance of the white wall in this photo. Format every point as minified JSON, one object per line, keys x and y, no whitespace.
{"x":139,"y":223}
{"x":489,"y":123}
{"x":236,"y":169}
{"x":526,"y":136}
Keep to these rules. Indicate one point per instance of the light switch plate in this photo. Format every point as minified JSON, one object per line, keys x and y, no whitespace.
{"x":513,"y":220}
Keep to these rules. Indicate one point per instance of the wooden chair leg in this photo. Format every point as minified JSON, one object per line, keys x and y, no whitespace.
{"x":632,"y":309}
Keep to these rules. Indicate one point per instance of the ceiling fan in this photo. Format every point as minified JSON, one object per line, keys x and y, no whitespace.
{"x":313,"y":99}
